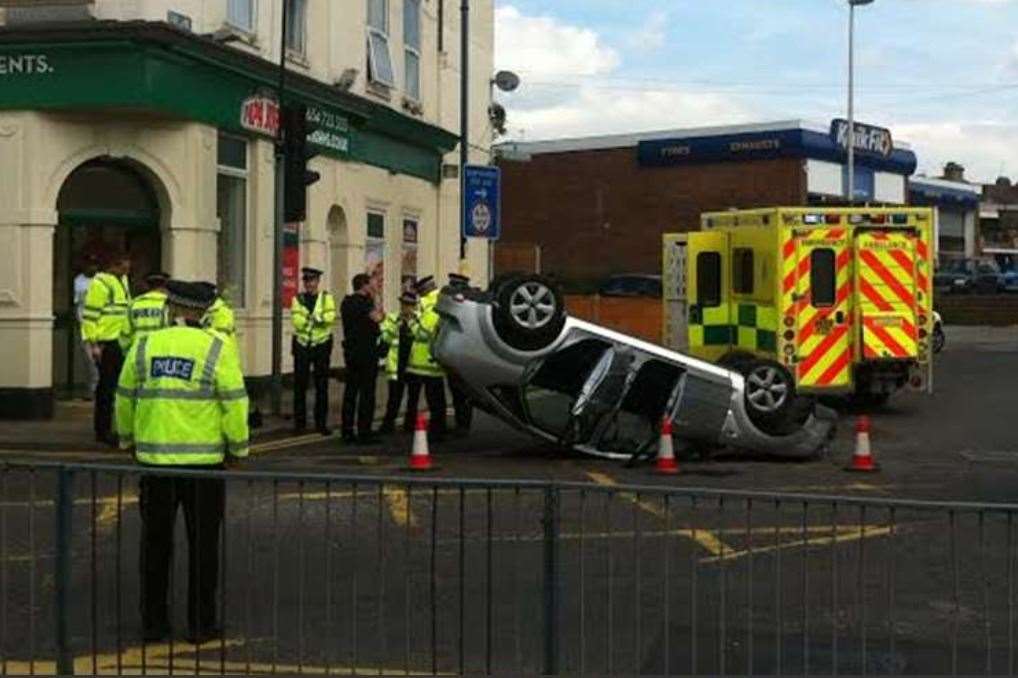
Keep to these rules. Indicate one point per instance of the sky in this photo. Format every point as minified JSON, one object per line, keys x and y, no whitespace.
{"x":942,"y":75}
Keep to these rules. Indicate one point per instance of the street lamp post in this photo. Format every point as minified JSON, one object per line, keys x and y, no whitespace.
{"x":850,"y":138}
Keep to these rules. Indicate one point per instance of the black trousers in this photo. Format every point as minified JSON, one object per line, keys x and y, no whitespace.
{"x":359,"y":395}
{"x":306,"y":358}
{"x":110,"y":362}
{"x":203,"y":515}
{"x":434,"y":393}
{"x":397,"y":389}
{"x":461,"y":405}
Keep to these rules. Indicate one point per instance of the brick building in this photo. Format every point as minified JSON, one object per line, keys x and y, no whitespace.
{"x":998,"y":222}
{"x":583,"y":209}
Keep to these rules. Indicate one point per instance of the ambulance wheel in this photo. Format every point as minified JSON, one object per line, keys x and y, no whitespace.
{"x":770,"y":395}
{"x":529,"y":312}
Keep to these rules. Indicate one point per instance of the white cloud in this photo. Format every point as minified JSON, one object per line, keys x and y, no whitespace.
{"x":980,"y":147}
{"x":542,"y":46}
{"x":571,"y":91}
{"x":652,"y":34}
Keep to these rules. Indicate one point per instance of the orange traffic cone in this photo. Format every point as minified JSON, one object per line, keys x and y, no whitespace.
{"x":420,"y":457}
{"x":862,"y":458}
{"x":666,"y":463}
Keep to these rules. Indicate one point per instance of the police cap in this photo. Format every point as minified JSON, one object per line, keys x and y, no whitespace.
{"x":195,"y":296}
{"x":308,"y":273}
{"x":425,"y":285}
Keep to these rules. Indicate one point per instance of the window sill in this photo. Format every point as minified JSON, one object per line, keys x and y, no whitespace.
{"x":242,"y":35}
{"x":379,"y":90}
{"x":413,"y":106}
{"x":297,"y":58}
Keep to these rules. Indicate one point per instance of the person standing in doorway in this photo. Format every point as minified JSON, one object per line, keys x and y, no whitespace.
{"x":147,"y":312}
{"x":181,"y":403}
{"x":424,"y":372}
{"x":361,"y":320}
{"x":102,"y":324}
{"x":314,"y":315}
{"x":398,"y":339}
{"x":81,"y":283}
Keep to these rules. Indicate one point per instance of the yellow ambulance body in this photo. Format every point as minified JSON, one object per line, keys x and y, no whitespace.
{"x":840,"y":298}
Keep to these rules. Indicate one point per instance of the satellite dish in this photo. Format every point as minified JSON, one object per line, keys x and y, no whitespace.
{"x":506,"y":81}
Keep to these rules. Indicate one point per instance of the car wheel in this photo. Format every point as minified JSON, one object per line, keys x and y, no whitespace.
{"x":938,"y":339}
{"x":529,"y":312}
{"x":770,"y":395}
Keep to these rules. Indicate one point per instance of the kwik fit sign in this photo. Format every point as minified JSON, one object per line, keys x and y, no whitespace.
{"x":866,"y":139}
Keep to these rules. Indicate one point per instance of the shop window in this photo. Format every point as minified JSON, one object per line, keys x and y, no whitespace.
{"x":412,"y":48}
{"x":240,"y":14}
{"x":822,"y":277}
{"x":742,"y":270}
{"x":296,"y":25}
{"x":231,"y":208}
{"x":408,"y":270}
{"x":708,"y":279}
{"x":379,"y":60}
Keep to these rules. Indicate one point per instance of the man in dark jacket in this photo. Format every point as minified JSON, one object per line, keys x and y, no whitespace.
{"x":360,"y":350}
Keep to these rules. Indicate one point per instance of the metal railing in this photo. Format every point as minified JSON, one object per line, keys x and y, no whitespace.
{"x":324,"y":574}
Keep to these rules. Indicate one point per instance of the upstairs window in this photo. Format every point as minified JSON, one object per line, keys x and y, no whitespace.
{"x":379,"y":60}
{"x":412,"y":48}
{"x":296,"y":25}
{"x":240,"y":14}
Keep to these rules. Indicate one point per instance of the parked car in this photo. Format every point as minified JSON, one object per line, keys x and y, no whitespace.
{"x":631,"y":285}
{"x":966,"y":276}
{"x":517,"y":354}
{"x":1010,"y":280}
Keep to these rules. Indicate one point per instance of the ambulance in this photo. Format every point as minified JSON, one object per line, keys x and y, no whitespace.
{"x":806,"y":302}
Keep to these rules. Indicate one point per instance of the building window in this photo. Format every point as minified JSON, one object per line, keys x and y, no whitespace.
{"x":412,"y":48}
{"x":379,"y":60}
{"x":240,"y":14}
{"x":296,"y":26}
{"x":374,"y":250}
{"x":231,"y":208}
{"x":408,"y":272}
{"x":742,"y":270}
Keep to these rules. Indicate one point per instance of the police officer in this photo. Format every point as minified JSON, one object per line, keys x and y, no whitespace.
{"x":360,"y":351}
{"x":147,"y":312}
{"x":219,"y":315}
{"x":461,"y":405}
{"x":399,"y":339}
{"x":102,"y":324}
{"x":314,"y":315}
{"x":424,"y":373}
{"x":181,"y":403}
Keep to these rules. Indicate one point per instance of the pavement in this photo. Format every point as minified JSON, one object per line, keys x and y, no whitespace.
{"x":363,"y":568}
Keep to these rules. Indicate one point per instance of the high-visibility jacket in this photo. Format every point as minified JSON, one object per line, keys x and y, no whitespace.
{"x":146,"y":314}
{"x":389,"y":337}
{"x":181,"y":399}
{"x":219,"y":317}
{"x":424,"y":326}
{"x":315,"y":327}
{"x":106,"y":305}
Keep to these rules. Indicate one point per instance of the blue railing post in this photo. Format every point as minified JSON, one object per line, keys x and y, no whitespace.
{"x":551,"y":581}
{"x":62,"y":574}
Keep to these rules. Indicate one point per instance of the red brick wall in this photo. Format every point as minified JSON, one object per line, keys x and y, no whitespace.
{"x":597,"y":212}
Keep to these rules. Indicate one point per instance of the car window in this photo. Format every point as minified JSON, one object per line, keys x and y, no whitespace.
{"x":637,"y":423}
{"x":552,"y":389}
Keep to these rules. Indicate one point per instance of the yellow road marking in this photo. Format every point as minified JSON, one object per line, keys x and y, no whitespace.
{"x":157,"y":657}
{"x":705,"y":538}
{"x":282,"y":443}
{"x":843,"y":534}
{"x":399,"y":507}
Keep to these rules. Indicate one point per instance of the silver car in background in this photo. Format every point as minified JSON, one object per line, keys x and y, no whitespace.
{"x":518,"y":355}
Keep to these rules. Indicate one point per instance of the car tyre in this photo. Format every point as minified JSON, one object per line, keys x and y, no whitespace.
{"x":771,"y":400}
{"x":529,"y":312}
{"x":939,"y":339}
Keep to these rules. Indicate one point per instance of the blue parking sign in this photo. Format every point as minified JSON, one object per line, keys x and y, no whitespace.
{"x":482,"y":186}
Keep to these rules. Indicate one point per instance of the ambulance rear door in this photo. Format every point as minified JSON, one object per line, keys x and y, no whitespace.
{"x":888,"y":307}
{"x":709,"y":291}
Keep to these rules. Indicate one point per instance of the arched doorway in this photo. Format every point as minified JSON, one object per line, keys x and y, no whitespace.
{"x":105,"y":204}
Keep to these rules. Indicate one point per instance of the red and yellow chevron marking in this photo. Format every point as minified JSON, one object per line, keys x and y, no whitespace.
{"x":889,"y":278}
{"x":824,"y":346}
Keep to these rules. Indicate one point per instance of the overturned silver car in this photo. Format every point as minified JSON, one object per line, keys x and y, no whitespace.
{"x":518,"y":355}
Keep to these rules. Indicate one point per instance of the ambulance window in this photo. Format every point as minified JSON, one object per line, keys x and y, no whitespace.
{"x":742,"y":270}
{"x":708,"y":279}
{"x":822,"y":277}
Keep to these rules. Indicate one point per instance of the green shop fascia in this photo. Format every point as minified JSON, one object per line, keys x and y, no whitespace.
{"x":156,"y":68}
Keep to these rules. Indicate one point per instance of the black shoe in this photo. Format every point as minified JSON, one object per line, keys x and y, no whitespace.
{"x":155,"y":634}
{"x":204,"y":635}
{"x":324,"y":430}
